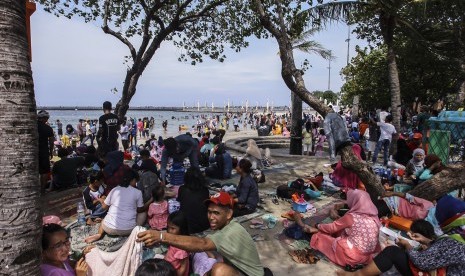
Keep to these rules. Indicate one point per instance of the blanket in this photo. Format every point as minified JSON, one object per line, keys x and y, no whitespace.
{"x":123,"y":262}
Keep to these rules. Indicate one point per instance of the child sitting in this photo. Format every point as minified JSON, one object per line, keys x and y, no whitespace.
{"x":158,"y":210}
{"x":94,"y":198}
{"x":123,"y":203}
{"x":177,"y":225}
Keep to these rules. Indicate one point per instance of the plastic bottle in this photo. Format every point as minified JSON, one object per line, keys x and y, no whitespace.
{"x":81,"y":216}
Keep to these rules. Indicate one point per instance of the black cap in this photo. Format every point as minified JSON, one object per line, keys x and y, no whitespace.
{"x":107,"y":105}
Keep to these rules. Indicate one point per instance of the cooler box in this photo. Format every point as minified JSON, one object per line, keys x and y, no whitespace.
{"x":176,"y":174}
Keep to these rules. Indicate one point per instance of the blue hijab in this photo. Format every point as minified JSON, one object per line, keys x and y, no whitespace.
{"x":447,"y":207}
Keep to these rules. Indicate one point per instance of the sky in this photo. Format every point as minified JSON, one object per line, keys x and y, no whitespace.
{"x":76,"y":64}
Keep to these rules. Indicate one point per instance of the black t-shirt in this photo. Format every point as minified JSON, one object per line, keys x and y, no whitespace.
{"x":192,"y":205}
{"x":45,"y":132}
{"x":108,"y":127}
{"x":65,"y":170}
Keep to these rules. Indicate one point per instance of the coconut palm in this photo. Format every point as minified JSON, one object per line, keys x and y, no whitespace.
{"x":20,"y":222}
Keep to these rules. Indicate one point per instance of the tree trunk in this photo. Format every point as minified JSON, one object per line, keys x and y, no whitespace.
{"x":371,"y":181}
{"x":450,"y":179}
{"x":20,"y":220}
{"x":129,"y":90}
{"x":394,"y":85}
{"x":295,"y":147}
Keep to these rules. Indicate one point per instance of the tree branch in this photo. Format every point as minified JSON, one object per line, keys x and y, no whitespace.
{"x":203,"y":12}
{"x":265,"y":20}
{"x":120,"y":37}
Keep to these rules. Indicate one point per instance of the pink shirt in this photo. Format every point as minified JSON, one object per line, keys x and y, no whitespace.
{"x":158,"y":215}
{"x":140,"y":125}
{"x":175,"y":256}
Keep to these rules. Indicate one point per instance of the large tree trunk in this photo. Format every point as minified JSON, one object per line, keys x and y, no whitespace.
{"x":450,"y":179}
{"x":295,"y":147}
{"x":394,"y":85}
{"x":20,"y":220}
{"x":370,"y":180}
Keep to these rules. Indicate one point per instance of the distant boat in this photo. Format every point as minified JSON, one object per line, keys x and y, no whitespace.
{"x":75,"y":109}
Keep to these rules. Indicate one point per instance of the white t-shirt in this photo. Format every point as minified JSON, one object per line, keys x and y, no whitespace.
{"x":383,"y":115}
{"x":235,"y":121}
{"x":123,"y":204}
{"x":387,"y":130}
{"x":124,"y":132}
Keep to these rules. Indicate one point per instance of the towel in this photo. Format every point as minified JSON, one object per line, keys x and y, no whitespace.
{"x":123,"y":262}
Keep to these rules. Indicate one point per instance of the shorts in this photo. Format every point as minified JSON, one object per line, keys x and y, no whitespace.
{"x":115,"y":232}
{"x":60,"y":131}
{"x":44,"y":164}
{"x":371,"y":145}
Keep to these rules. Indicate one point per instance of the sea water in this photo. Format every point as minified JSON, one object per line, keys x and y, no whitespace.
{"x":174,"y":118}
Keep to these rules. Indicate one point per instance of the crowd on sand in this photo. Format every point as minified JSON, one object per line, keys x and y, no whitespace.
{"x":128,"y":189}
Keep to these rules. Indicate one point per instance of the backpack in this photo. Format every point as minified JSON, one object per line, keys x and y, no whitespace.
{"x":284,"y":191}
{"x":148,"y":181}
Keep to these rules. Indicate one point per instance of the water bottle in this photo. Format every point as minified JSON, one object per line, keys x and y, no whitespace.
{"x":81,"y":216}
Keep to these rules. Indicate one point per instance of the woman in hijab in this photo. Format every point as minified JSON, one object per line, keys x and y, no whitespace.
{"x":253,"y":154}
{"x":343,"y":177}
{"x":351,"y":239}
{"x":414,"y":166}
{"x":450,"y":213}
{"x":433,"y":165}
{"x":444,"y":255}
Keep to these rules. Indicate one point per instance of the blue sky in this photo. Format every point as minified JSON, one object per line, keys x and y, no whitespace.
{"x":75,"y":63}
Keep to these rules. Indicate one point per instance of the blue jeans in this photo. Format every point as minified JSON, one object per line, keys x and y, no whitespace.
{"x":98,"y":212}
{"x":385,"y":145}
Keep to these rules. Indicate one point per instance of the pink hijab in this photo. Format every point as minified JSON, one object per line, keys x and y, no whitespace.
{"x":360,"y":204}
{"x":344,"y":177}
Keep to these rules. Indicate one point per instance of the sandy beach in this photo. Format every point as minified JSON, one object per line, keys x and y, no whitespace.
{"x":274,"y":248}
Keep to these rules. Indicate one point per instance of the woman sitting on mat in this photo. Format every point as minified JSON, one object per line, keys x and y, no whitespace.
{"x":351,"y":239}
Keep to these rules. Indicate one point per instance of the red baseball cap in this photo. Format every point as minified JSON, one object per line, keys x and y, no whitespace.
{"x":417,"y":136}
{"x":221,"y":198}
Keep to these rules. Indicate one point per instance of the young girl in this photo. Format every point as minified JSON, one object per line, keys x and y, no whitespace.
{"x":319,"y":145}
{"x":158,"y":210}
{"x":177,"y":225}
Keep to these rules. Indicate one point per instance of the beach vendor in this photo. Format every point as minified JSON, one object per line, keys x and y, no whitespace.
{"x":230,"y":240}
{"x":178,"y":148}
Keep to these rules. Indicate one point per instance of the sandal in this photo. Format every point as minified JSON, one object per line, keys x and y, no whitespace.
{"x":275,"y":201}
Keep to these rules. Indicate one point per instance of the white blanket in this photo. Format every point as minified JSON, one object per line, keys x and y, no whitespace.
{"x":123,"y":262}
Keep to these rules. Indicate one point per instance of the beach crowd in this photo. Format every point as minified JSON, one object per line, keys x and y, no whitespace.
{"x":164,"y":185}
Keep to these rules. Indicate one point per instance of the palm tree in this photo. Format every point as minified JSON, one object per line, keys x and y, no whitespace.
{"x":303,"y":43}
{"x":20,"y":223}
{"x":386,"y":14}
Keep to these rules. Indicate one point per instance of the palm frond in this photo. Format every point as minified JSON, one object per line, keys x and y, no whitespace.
{"x":334,"y":11}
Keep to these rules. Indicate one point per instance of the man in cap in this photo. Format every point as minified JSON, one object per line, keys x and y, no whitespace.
{"x":46,"y":139}
{"x":107,"y":134}
{"x":230,"y":240}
